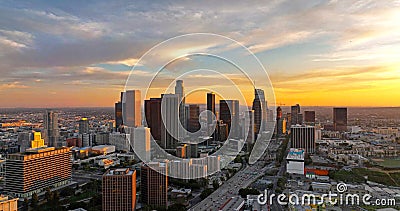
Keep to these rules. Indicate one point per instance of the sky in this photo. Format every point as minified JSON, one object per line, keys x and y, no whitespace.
{"x":316,"y":53}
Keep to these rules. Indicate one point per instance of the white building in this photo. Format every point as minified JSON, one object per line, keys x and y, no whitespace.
{"x":170,"y":118}
{"x":121,"y":141}
{"x":131,"y":108}
{"x":141,"y":143}
{"x":295,"y":161}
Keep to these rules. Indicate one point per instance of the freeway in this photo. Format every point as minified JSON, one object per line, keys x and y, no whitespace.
{"x":241,"y":179}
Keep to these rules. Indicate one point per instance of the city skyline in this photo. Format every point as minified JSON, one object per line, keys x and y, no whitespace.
{"x":82,"y":57}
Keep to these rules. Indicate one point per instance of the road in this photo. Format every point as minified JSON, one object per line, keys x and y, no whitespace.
{"x":241,"y":179}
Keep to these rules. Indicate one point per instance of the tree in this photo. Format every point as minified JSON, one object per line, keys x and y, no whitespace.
{"x":34,"y":201}
{"x":206,"y":193}
{"x":215,"y":184}
{"x":26,"y":204}
{"x":48,"y":195}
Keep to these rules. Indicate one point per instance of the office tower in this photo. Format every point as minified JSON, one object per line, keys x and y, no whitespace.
{"x":118,"y":115}
{"x":24,"y":140}
{"x":141,"y":143}
{"x":222,"y":131}
{"x":248,"y":124}
{"x":154,"y":184}
{"x":229,"y":114}
{"x":51,"y":130}
{"x":131,"y":108}
{"x":260,"y":111}
{"x":340,"y":119}
{"x":309,"y":116}
{"x":296,"y":115}
{"x":179,"y":90}
{"x":211,"y":107}
{"x":152,"y":110}
{"x":279,"y":123}
{"x":36,"y":169}
{"x":303,"y":137}
{"x":37,"y":141}
{"x":194,"y":113}
{"x":83,"y":125}
{"x":169,"y":125}
{"x":121,"y":141}
{"x":119,"y":190}
{"x":8,"y":203}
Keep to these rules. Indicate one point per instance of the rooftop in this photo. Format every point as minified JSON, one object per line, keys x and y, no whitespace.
{"x":295,"y":154}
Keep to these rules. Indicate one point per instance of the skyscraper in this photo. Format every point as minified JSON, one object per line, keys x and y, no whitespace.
{"x":248,"y":124}
{"x":279,"y":123}
{"x":297,"y":117}
{"x":194,"y":112}
{"x":260,"y":111}
{"x":210,"y":106}
{"x":170,"y":117}
{"x":83,"y":126}
{"x":131,"y":108}
{"x":229,"y":114}
{"x":340,"y":119}
{"x":118,"y":115}
{"x":309,"y":116}
{"x":154,"y":185}
{"x":152,"y":110}
{"x":119,"y":190}
{"x":51,"y":130}
{"x":303,"y":137}
{"x":179,"y":90}
{"x":141,"y":143}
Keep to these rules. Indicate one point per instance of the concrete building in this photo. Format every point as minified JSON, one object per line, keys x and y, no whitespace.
{"x":141,"y":143}
{"x":131,"y":108}
{"x":170,"y":121}
{"x":303,"y":137}
{"x":154,"y":184}
{"x":37,"y":169}
{"x":119,"y":190}
{"x":295,"y":161}
{"x":83,"y":126}
{"x":51,"y":129}
{"x":121,"y":141}
{"x":340,"y":119}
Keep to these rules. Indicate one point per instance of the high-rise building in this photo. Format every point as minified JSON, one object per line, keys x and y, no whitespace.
{"x":297,"y":117}
{"x":83,"y":125}
{"x":170,"y":121}
{"x":119,"y":190}
{"x":210,"y":107}
{"x":37,"y":169}
{"x":309,"y":116}
{"x":303,"y":137}
{"x":194,"y":113}
{"x":179,"y":90}
{"x":152,"y":110}
{"x":154,"y":184}
{"x":248,"y":124}
{"x":260,"y":111}
{"x":141,"y":143}
{"x":121,"y":141}
{"x":340,"y":119}
{"x":118,"y":115}
{"x":51,"y":130}
{"x":24,"y":140}
{"x":279,"y":123}
{"x":131,"y":108}
{"x":229,"y":114}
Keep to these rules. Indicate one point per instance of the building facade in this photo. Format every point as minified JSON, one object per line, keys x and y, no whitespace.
{"x":119,"y":190}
